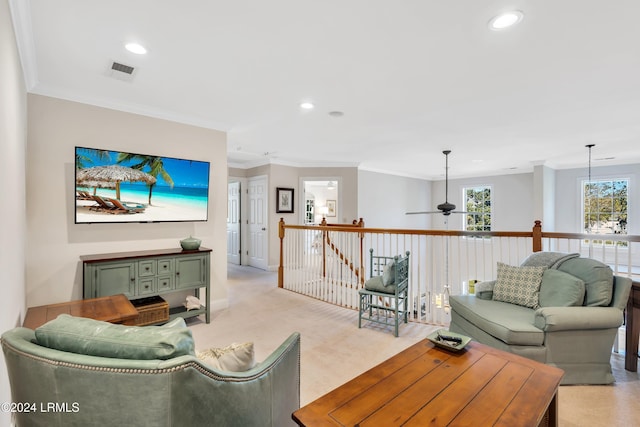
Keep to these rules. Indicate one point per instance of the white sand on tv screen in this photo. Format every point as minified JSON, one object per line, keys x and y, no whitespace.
{"x":161,"y":209}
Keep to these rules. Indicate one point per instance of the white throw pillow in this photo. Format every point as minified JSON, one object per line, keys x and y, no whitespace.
{"x":233,"y":358}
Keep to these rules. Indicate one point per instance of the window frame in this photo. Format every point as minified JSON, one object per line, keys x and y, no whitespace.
{"x":583,"y":198}
{"x":477,"y":188}
{"x":603,"y":241}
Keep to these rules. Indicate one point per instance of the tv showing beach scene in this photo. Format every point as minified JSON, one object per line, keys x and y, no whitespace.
{"x":115,"y":186}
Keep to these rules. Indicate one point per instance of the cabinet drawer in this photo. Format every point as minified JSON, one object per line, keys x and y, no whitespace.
{"x":164,"y":283}
{"x":165,"y":266}
{"x":147,"y":286}
{"x":147,"y":268}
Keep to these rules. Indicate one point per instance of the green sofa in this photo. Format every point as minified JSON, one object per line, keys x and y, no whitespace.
{"x":571,"y":322}
{"x":152,"y":378}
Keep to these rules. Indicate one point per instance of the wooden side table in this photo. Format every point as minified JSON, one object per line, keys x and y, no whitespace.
{"x":113,"y":309}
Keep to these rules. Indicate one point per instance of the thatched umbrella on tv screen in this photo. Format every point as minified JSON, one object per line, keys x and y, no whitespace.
{"x":97,"y":184}
{"x":112,"y":174}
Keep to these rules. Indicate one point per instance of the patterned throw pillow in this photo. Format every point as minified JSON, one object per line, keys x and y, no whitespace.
{"x":518,"y":285}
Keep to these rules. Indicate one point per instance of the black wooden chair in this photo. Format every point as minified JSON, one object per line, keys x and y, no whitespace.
{"x":384,"y":299}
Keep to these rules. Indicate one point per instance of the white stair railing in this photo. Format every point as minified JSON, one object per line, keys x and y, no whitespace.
{"x":331,"y":262}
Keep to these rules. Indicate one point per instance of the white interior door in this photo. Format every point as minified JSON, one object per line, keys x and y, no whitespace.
{"x":233,"y":222}
{"x":257,"y":222}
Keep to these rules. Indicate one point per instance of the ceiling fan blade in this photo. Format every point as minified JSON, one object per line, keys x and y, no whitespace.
{"x":423,"y":213}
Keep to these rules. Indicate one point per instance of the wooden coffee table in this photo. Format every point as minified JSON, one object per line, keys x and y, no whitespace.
{"x":425,"y":385}
{"x":113,"y":308}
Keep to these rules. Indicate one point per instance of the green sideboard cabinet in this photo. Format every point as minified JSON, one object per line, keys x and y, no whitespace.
{"x":142,"y":274}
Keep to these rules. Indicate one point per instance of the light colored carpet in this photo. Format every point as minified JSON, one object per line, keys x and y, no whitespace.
{"x":334,"y":350}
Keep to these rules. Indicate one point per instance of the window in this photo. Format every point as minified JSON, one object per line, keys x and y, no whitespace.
{"x":604,"y":210}
{"x":478,"y":208}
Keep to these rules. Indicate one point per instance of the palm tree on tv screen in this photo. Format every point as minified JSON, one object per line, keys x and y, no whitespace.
{"x":82,"y":160}
{"x":154,"y":163}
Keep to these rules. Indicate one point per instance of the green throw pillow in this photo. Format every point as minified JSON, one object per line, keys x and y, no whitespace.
{"x":389,"y":273}
{"x":560,"y":289}
{"x":376,"y":284}
{"x":96,"y":338}
{"x":597,"y":277}
{"x":518,"y":285}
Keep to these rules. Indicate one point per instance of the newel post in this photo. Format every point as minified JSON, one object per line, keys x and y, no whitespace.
{"x":281,"y":266}
{"x":537,"y":236}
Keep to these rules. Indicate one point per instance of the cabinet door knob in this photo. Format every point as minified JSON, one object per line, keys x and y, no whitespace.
{"x":133,"y":279}
{"x":146,"y":287}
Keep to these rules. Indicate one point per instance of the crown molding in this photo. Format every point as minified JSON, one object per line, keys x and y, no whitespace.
{"x":143,"y":110}
{"x":21,"y":16}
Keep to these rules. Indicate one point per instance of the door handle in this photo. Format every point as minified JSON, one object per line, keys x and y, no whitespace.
{"x":264,"y":229}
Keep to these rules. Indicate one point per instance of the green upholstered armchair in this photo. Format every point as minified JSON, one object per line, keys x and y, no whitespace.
{"x":72,"y":389}
{"x":577,"y":310}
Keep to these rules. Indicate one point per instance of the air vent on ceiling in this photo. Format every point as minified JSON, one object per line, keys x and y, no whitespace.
{"x":122,"y":68}
{"x":121,"y":71}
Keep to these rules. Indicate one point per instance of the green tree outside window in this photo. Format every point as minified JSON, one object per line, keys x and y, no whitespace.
{"x":604,"y":209}
{"x":478,"y":208}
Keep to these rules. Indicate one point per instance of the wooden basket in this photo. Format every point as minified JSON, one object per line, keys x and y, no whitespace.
{"x":151,"y":310}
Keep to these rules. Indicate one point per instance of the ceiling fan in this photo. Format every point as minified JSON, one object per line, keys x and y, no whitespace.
{"x":445,"y":208}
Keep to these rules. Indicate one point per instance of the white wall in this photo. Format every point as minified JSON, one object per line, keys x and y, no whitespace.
{"x":384,"y":200}
{"x":55,"y":243}
{"x":13,"y":139}
{"x":511,"y":196}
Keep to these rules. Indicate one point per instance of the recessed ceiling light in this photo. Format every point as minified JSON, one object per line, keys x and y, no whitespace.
{"x":505,"y":20}
{"x":307,"y":105}
{"x":136,"y":48}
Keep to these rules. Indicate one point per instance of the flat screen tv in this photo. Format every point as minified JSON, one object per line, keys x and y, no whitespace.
{"x":116,"y":186}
